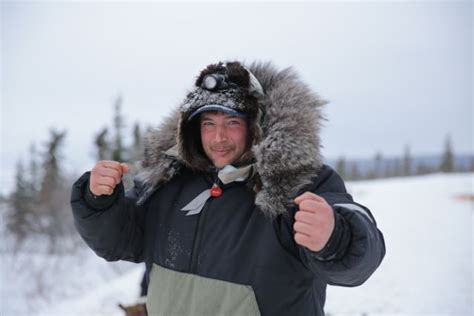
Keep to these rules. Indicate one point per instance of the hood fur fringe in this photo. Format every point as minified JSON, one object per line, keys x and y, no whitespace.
{"x":288,"y":157}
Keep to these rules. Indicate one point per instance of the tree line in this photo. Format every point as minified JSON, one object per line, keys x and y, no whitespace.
{"x":404,"y":166}
{"x":38,"y":206}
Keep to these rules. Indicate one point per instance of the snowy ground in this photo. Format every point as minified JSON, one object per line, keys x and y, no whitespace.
{"x":32,"y":282}
{"x":428,"y":269}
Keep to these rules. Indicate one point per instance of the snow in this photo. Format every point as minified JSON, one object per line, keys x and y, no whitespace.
{"x":104,"y":300}
{"x":428,"y":268}
{"x":428,"y":234}
{"x":32,"y":282}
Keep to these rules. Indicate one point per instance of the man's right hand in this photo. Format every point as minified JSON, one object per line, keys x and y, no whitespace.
{"x":105,"y":176}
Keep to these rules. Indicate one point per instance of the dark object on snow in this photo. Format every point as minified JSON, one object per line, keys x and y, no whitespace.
{"x":144,"y":285}
{"x":134,"y":310}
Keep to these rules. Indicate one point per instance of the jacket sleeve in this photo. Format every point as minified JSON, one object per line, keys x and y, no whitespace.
{"x":356,"y":246}
{"x":112,"y":226}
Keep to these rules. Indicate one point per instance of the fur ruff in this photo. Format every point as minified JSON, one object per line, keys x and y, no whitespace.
{"x":288,"y":156}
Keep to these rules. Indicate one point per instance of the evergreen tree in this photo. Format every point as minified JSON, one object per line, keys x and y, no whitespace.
{"x":447,"y":160}
{"x":22,"y":218}
{"x":34,"y":170}
{"x":341,"y":167}
{"x":423,"y":169}
{"x":378,"y":165}
{"x":138,"y":146}
{"x":407,"y":162}
{"x":398,"y":168}
{"x":354,"y":173}
{"x":19,"y":218}
{"x":54,"y":195}
{"x":118,"y":149}
{"x":34,"y":187}
{"x":52,"y":158}
{"x":389,"y":168}
{"x":372,"y":172}
{"x":102,"y":145}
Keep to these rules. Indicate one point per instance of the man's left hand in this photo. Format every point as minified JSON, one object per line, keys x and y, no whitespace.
{"x":314,"y":221}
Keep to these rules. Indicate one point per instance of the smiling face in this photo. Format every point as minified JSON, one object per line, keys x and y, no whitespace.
{"x":224,"y":137}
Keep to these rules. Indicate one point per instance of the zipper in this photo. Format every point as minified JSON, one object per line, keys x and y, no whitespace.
{"x":199,"y":232}
{"x":198,"y":236}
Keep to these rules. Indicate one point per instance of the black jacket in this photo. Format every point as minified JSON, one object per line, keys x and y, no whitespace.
{"x":231,"y":239}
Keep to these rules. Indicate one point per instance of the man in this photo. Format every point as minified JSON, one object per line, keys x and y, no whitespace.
{"x":234,"y":212}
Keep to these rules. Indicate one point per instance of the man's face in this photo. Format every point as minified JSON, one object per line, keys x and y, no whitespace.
{"x":224,"y":137}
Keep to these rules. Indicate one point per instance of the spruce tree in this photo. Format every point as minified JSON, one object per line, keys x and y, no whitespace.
{"x":34,"y":178}
{"x":447,"y":159}
{"x":23,"y":217}
{"x":118,"y":149}
{"x":54,"y":195}
{"x":102,"y":145}
{"x":407,"y":162}
{"x":138,"y":146}
{"x":389,"y":168}
{"x":378,"y":165}
{"x":34,"y":170}
{"x":398,"y":168}
{"x":354,"y":172}
{"x":423,"y":169}
{"x":341,"y":167}
{"x":19,"y":216}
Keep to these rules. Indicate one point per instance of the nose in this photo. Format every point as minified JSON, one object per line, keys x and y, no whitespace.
{"x":221,"y":133}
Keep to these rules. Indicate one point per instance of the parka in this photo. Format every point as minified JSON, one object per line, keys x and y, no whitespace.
{"x":235,"y":254}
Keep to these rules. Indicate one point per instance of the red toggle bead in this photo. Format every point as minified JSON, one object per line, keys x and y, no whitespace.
{"x":216,"y":191}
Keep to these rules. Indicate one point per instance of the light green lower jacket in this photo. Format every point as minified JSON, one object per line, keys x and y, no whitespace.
{"x":173,"y":293}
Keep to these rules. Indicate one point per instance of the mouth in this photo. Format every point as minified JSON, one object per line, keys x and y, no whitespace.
{"x":224,"y":149}
{"x":222,"y":152}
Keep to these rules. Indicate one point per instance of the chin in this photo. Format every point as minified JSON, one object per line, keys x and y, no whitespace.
{"x":222,"y":164}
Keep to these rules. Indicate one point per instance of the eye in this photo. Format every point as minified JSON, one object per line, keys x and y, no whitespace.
{"x":207,"y":123}
{"x":234,"y":122}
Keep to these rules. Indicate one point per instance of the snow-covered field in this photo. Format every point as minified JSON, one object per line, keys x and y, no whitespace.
{"x":428,"y":270}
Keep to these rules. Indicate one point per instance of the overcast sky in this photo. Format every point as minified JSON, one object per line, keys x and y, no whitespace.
{"x":395,"y":73}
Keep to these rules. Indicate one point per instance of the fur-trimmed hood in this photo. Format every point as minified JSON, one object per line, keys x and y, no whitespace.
{"x":287,"y":157}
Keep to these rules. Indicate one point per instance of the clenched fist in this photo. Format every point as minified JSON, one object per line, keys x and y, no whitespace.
{"x":314,"y":221}
{"x":105,"y":176}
